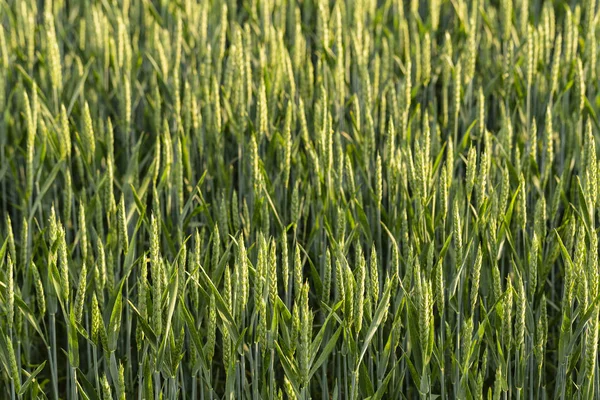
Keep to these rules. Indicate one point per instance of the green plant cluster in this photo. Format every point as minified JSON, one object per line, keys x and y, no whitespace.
{"x":326,"y":199}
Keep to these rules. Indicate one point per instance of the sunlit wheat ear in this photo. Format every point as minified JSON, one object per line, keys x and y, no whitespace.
{"x":554,"y":74}
{"x":522,"y":205}
{"x":155,"y":264}
{"x":591,"y":345}
{"x":306,"y":320}
{"x":106,"y":391}
{"x":439,"y":287}
{"x":142,"y":295}
{"x":227,"y":298}
{"x":581,"y":282}
{"x":122,"y":225}
{"x":10,"y":290}
{"x":54,"y":62}
{"x":427,"y":58}
{"x":521,"y":309}
{"x":374,"y":267}
{"x":457,"y":233}
{"x":327,"y":278}
{"x":80,"y":296}
{"x":591,"y":181}
{"x":533,"y":265}
{"x":470,"y":175}
{"x":15,"y":376}
{"x":4,"y":48}
{"x":96,"y":320}
{"x":449,"y":163}
{"x":579,"y":86}
{"x":64,"y":264}
{"x":272,"y":274}
{"x":350,"y":291}
{"x":211,"y":327}
{"x":39,"y":289}
{"x":242,"y":272}
{"x":83,"y":241}
{"x":88,"y":138}
{"x":359,"y":291}
{"x":467,"y":339}
{"x":10,"y":237}
{"x":507,"y":323}
{"x":482,"y":178}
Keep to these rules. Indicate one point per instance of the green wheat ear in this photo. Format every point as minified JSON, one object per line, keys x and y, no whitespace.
{"x":475,"y":278}
{"x":106,"y":392}
{"x":80,"y":296}
{"x":15,"y":375}
{"x":10,"y":290}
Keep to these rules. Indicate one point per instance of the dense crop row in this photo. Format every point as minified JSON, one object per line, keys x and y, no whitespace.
{"x":299,"y":199}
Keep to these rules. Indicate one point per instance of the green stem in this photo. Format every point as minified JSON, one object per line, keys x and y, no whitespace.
{"x":157,"y":385}
{"x":52,"y":353}
{"x":73,"y":383}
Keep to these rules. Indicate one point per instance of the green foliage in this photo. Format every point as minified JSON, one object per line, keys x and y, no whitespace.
{"x":299,"y":198}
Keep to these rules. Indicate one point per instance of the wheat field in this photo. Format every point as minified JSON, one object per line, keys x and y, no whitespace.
{"x":299,"y":199}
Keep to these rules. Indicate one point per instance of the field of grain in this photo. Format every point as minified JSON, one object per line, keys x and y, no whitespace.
{"x":299,"y":199}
